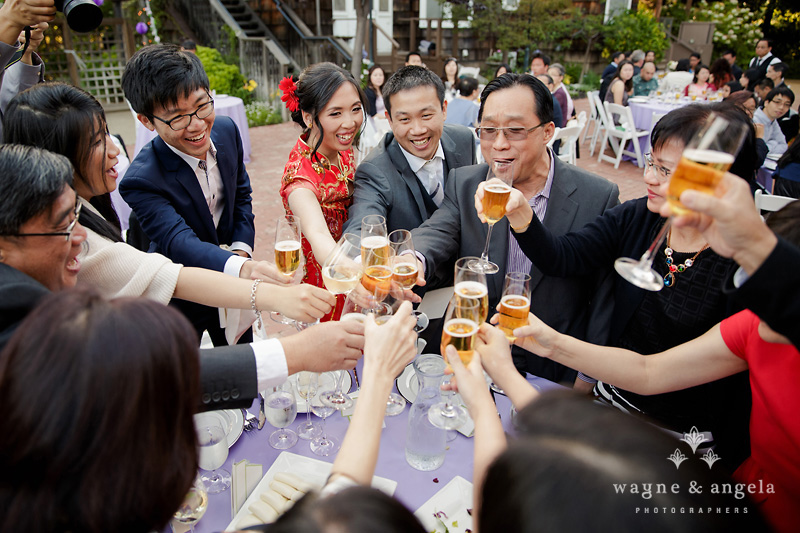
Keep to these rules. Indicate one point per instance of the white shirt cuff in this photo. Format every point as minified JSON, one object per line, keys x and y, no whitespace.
{"x":423,"y":261}
{"x":233,"y":266}
{"x":242,"y":246}
{"x":271,"y":367}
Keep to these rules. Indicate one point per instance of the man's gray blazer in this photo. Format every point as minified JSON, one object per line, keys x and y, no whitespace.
{"x":565,"y":304}
{"x":385,"y":184}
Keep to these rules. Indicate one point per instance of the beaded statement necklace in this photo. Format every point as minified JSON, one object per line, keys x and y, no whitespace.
{"x":669,"y":279}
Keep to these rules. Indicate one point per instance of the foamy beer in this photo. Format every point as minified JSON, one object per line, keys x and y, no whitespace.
{"x":404,"y":260}
{"x":287,"y":256}
{"x":700,"y":170}
{"x":460,"y":332}
{"x":374,"y":249}
{"x":515,"y":303}
{"x":495,"y":198}
{"x":475,"y":291}
{"x":340,"y":278}
{"x":355,"y":317}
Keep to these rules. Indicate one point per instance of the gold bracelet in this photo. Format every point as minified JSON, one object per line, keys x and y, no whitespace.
{"x":260,"y":324}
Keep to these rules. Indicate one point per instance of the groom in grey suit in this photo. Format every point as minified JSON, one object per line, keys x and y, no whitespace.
{"x":403,"y":179}
{"x":516,"y":124}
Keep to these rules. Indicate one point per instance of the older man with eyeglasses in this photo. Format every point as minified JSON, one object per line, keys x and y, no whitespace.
{"x":516,"y":119}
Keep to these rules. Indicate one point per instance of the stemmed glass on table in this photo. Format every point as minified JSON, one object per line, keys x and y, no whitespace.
{"x":703,"y":162}
{"x":213,"y":452}
{"x":324,"y":445}
{"x":307,"y":384}
{"x":280,"y":408}
{"x":288,"y":253}
{"x":193,"y":506}
{"x":499,"y":180}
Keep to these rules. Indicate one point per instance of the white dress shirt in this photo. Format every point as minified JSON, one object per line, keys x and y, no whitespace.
{"x":430,"y":173}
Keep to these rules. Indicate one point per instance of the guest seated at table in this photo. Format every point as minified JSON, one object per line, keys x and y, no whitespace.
{"x":777,"y":102}
{"x":730,"y":88}
{"x":691,"y":301}
{"x":787,"y":174}
{"x":749,"y":76}
{"x":375,"y":78}
{"x":645,"y":82}
{"x":587,"y":448}
{"x":720,"y":74}
{"x":463,"y":109}
{"x":762,"y":89}
{"x":699,"y":86}
{"x":97,"y":430}
{"x":621,"y":86}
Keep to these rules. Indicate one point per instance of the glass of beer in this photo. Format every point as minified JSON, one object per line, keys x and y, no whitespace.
{"x":470,"y":284}
{"x":405,"y":268}
{"x":374,"y":242}
{"x":515,"y":303}
{"x":341,"y":270}
{"x":461,"y":323}
{"x":496,"y":191}
{"x":703,"y":162}
{"x":288,"y":252}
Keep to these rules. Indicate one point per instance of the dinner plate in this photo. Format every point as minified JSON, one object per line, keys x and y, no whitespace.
{"x":326,"y":382}
{"x":452,"y":504}
{"x":313,"y":471}
{"x":231,"y":421}
{"x":638,"y":99}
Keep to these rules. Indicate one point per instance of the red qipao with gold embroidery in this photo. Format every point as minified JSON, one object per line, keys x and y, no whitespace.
{"x":332,"y":184}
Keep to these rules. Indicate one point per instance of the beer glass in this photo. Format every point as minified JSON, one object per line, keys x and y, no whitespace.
{"x":703,"y":162}
{"x":373,"y":239}
{"x":288,"y":252}
{"x":341,"y":270}
{"x":405,"y":268}
{"x":515,"y":303}
{"x":461,"y":323}
{"x":470,"y":284}
{"x":495,"y":197}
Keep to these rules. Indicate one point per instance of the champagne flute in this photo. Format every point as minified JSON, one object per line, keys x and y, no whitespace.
{"x":495,"y":197}
{"x":193,"y":506}
{"x":341,"y":270}
{"x":373,"y":237}
{"x":280,"y":407}
{"x":515,"y":303}
{"x":288,"y":252}
{"x":307,"y":385}
{"x":471,"y":284}
{"x":337,"y":398}
{"x":213,"y":453}
{"x":405,"y":268}
{"x":703,"y":162}
{"x":324,"y":446}
{"x":461,"y":324}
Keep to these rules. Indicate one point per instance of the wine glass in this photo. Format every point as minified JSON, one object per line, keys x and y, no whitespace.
{"x":307,"y":384}
{"x":471,"y":284}
{"x":213,"y":453}
{"x":325,"y":445}
{"x":280,"y":407}
{"x":382,"y":312}
{"x":193,"y":506}
{"x":515,"y":303}
{"x":341,"y":270}
{"x":461,"y":323}
{"x":373,"y":238}
{"x":495,"y":197}
{"x":288,"y":252}
{"x":405,"y":268}
{"x":704,"y":160}
{"x":337,"y":398}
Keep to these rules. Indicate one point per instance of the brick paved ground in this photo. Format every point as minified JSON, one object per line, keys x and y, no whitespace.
{"x":272,"y":144}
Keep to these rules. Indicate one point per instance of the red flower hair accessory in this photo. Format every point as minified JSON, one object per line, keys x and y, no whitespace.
{"x":289,"y":96}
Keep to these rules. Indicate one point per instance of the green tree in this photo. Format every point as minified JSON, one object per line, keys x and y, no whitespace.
{"x":632,"y":30}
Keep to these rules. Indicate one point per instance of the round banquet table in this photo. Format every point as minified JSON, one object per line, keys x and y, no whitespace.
{"x":228,"y":106}
{"x":413,"y":487}
{"x":643,"y":116}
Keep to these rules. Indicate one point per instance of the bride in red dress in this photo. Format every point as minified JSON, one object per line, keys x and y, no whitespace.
{"x":317,"y":182}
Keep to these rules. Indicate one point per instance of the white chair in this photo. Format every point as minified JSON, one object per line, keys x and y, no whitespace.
{"x":553,"y":138}
{"x":569,"y":142}
{"x":602,"y":126}
{"x":771,"y":202}
{"x":655,"y":118}
{"x":626,"y":131}
{"x":594,"y":118}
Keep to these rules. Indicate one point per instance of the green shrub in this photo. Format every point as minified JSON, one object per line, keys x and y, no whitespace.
{"x":262,"y":113}
{"x":734,"y":27}
{"x":632,"y":30}
{"x":222,"y":77}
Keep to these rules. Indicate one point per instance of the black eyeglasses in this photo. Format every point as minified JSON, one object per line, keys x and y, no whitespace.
{"x":182,"y":121}
{"x":662,"y":173}
{"x":511,"y":134}
{"x":66,"y":234}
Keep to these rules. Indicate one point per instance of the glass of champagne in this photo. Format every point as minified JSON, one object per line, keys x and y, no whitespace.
{"x":288,"y":252}
{"x":377,"y":277}
{"x":461,"y":323}
{"x":515,"y":303}
{"x":405,"y":268}
{"x":280,"y":407}
{"x":324,"y":446}
{"x":193,"y":507}
{"x":341,"y":270}
{"x":307,"y":384}
{"x":495,"y":197}
{"x":703,"y":162}
{"x":471,"y":284}
{"x":373,"y":238}
{"x":213,"y":453}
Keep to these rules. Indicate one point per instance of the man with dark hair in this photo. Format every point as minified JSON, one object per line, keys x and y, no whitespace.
{"x":516,"y":124}
{"x":188,"y":187}
{"x":404,"y":178}
{"x":694,"y":60}
{"x":413,"y":58}
{"x":776,"y":104}
{"x":762,"y":60}
{"x":463,"y":109}
{"x":189,"y":46}
{"x":730,"y":56}
{"x":40,"y":241}
{"x":776,"y":72}
{"x":762,"y":89}
{"x":540,"y":62}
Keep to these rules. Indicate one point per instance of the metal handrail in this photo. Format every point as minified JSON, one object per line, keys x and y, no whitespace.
{"x":319,"y":38}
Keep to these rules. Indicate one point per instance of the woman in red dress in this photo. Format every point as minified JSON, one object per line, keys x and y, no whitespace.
{"x":317,"y":183}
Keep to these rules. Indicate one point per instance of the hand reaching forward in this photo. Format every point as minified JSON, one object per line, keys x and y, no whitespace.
{"x":304,"y":302}
{"x":388,"y":348}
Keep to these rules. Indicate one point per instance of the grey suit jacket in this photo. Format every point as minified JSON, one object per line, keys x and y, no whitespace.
{"x":385,"y":184}
{"x":566,"y":304}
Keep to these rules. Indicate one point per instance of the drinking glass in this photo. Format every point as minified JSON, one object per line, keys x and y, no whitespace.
{"x":471,"y":284}
{"x":337,"y":398}
{"x":280,"y":407}
{"x":213,"y":453}
{"x":461,"y":323}
{"x":341,"y":270}
{"x":325,"y":445}
{"x":288,"y":252}
{"x":515,"y":303}
{"x":373,"y":238}
{"x":704,"y":160}
{"x":495,"y":197}
{"x":307,"y":384}
{"x":405,"y":268}
{"x":193,"y":506}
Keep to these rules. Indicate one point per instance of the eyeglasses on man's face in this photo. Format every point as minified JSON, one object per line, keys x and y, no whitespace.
{"x":182,"y":121}
{"x":66,"y":234}
{"x":662,"y":173}
{"x":511,"y":133}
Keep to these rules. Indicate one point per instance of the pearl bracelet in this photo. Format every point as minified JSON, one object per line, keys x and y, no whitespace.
{"x":253,"y":303}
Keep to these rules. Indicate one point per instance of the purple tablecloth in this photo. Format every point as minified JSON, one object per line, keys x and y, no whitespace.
{"x":413,"y":487}
{"x":643,"y":117}
{"x":229,"y":106}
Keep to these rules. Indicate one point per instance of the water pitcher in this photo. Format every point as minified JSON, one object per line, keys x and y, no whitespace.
{"x":425,"y":443}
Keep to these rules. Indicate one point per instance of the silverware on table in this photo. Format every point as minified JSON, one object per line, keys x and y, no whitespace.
{"x":262,"y":417}
{"x":250,"y":420}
